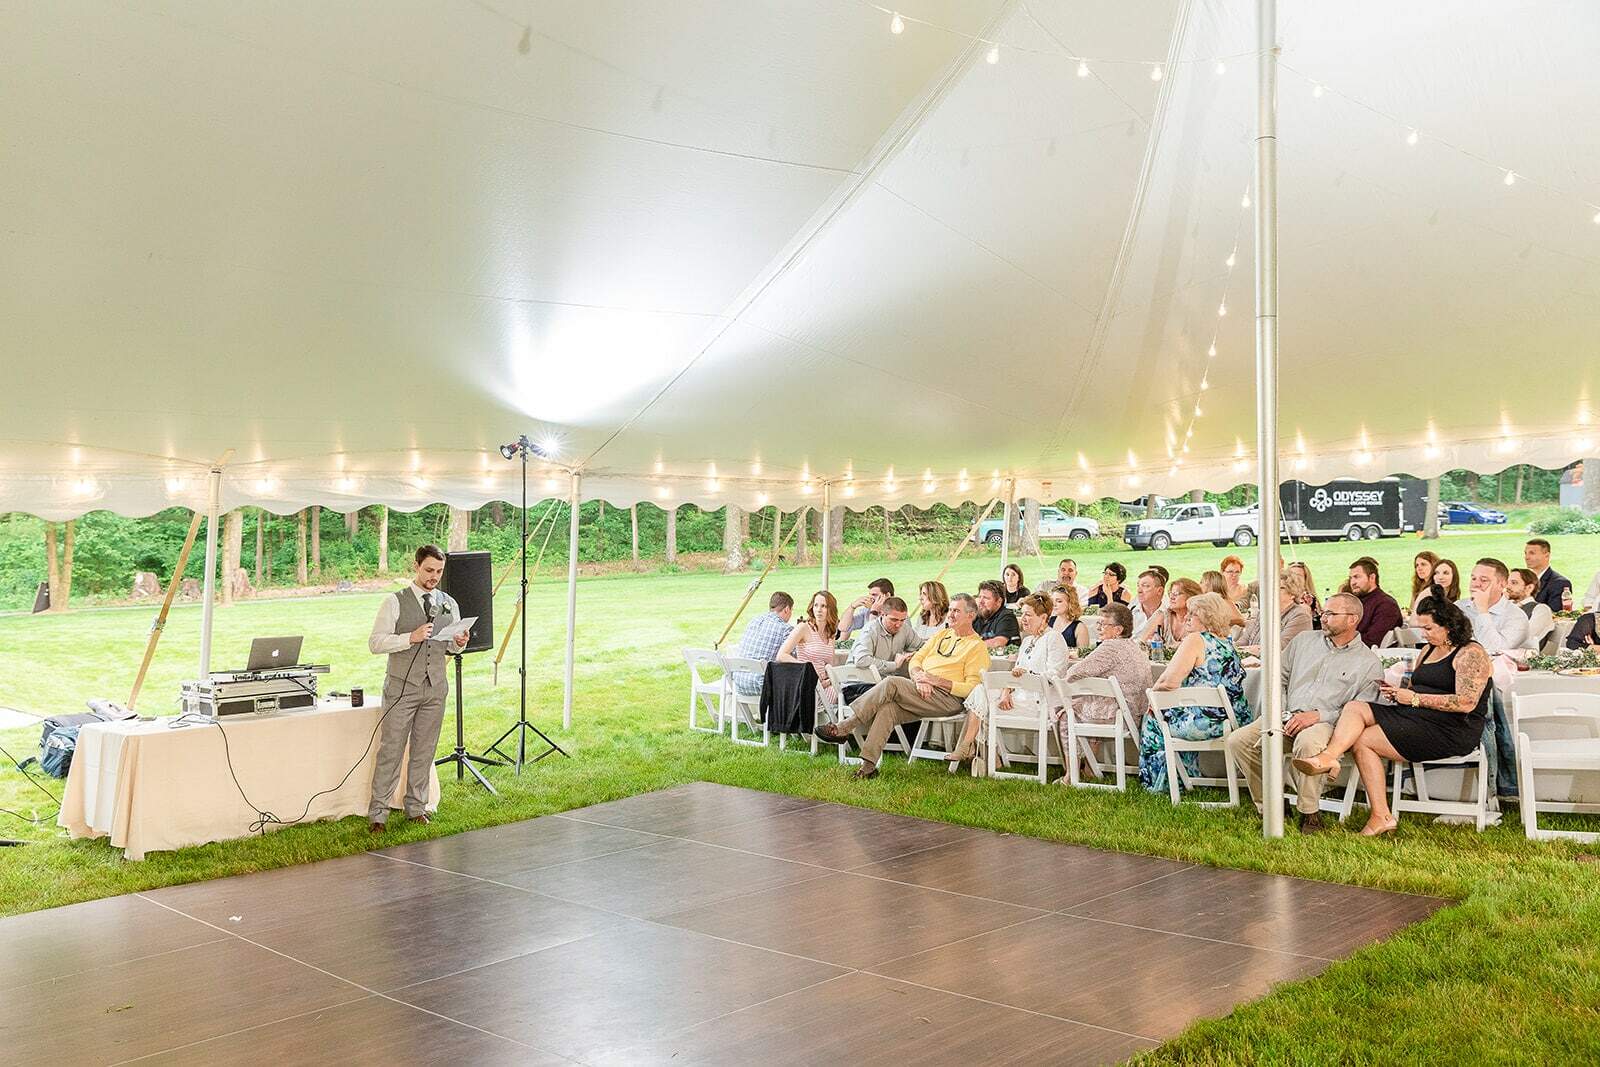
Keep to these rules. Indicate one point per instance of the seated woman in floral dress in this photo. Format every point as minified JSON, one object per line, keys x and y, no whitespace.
{"x":1206,"y":657}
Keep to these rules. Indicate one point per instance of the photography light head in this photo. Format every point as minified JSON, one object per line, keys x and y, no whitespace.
{"x":523,"y":447}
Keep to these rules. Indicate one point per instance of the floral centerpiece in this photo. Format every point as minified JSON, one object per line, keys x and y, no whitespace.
{"x":1568,"y":661}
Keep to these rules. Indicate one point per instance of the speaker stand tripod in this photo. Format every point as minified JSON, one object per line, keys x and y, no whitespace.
{"x":522,"y":727}
{"x":463,"y":759}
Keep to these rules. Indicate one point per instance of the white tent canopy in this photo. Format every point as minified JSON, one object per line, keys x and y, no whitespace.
{"x":722,"y":251}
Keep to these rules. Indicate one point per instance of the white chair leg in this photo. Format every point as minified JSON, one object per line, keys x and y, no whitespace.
{"x":1116,"y":754}
{"x":993,"y":733}
{"x":1525,"y":797}
{"x":1074,"y":745}
{"x":1174,"y":766}
{"x":1232,"y":771}
{"x":1482,"y":818}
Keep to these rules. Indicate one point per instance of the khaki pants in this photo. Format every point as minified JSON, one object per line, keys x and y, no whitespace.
{"x":1245,"y":744}
{"x":888,"y":704}
{"x":413,"y":719}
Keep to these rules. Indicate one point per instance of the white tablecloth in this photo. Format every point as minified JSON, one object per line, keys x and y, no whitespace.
{"x":150,"y":786}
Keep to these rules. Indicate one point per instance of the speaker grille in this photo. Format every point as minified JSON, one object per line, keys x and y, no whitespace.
{"x":468,"y":577}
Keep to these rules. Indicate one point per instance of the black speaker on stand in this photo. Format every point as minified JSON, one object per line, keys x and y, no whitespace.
{"x":468,"y":579}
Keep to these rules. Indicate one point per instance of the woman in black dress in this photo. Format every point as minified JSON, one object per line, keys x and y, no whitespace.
{"x":1015,"y":590}
{"x":1440,"y":714}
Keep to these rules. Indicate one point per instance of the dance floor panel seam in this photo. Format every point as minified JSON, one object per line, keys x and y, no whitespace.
{"x":698,"y":924}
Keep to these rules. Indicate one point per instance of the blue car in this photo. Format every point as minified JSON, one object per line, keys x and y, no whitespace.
{"x":1462,"y":514}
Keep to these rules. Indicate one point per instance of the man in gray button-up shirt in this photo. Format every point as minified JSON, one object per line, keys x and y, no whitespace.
{"x":1322,"y":672}
{"x":886,"y":642}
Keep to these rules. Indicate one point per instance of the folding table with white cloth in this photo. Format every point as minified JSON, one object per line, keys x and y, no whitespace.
{"x":153,"y":786}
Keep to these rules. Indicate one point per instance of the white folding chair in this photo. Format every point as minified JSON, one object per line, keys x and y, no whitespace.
{"x":838,"y":710}
{"x":1080,"y":734}
{"x":1541,"y":624}
{"x":1201,"y":696}
{"x":1033,"y":716}
{"x":705,"y":693}
{"x":1407,"y":637}
{"x":1558,"y":736}
{"x":1476,"y":807}
{"x":920,"y":745}
{"x":744,"y":707}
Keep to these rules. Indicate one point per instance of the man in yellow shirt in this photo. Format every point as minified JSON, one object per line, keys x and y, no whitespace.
{"x":948,"y":667}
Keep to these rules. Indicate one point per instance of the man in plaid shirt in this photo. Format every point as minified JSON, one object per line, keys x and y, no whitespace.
{"x":762,"y":639}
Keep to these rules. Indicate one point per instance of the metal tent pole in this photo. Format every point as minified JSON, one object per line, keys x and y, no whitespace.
{"x":827,"y":531}
{"x":1267,"y":411}
{"x":572,"y":597}
{"x":209,"y":596}
{"x":1010,"y":517}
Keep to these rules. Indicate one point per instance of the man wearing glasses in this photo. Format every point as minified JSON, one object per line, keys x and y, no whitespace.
{"x":943,"y":672}
{"x":1322,"y":672}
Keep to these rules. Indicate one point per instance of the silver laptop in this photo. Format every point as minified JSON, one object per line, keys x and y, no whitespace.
{"x":269,"y":652}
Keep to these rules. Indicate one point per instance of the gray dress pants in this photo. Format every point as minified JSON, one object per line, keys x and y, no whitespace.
{"x":413,"y":718}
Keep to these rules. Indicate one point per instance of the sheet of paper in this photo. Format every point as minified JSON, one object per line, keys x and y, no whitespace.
{"x":448,"y":633}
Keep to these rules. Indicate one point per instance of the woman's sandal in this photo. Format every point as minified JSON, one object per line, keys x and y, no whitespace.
{"x":1388,"y":827}
{"x":1310,"y":766}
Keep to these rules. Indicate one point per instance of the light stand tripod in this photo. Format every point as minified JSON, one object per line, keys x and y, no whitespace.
{"x":522,"y":727}
{"x":463,"y":759}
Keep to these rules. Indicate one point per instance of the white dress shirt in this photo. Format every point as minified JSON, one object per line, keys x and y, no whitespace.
{"x":1503,"y":627}
{"x":1591,"y":598}
{"x":383,"y":640}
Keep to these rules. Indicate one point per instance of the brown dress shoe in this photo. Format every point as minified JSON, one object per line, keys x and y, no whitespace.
{"x":376,"y":827}
{"x":865,"y":771}
{"x":423,"y":819}
{"x":1311,"y":823}
{"x":831,"y":733}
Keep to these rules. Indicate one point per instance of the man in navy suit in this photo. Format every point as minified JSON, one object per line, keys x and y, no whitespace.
{"x":1552,"y":586}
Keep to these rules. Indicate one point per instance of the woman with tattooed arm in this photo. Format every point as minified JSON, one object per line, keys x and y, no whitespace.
{"x":1440,"y":714}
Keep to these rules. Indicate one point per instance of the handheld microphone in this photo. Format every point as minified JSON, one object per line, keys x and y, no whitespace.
{"x":429,"y":607}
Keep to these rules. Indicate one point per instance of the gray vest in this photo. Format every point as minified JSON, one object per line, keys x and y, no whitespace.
{"x":425,"y":662}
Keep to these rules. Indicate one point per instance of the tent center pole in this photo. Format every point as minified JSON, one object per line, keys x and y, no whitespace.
{"x":1270,"y":557}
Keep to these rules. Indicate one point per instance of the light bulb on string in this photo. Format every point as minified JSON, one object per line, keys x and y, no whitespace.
{"x":1222,"y":309}
{"x":1212,"y":351}
{"x":1597,"y":218}
{"x":1204,"y":385}
{"x":897,"y":24}
{"x":1222,"y":68}
{"x":1412,"y":138}
{"x":1155,"y":72}
{"x":1083,"y":69}
{"x":1316,"y":92}
{"x":1233,"y":257}
{"x":1244,"y":201}
{"x":1511,"y":177}
{"x":993,"y":56}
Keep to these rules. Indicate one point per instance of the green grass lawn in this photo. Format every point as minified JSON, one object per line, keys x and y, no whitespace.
{"x":1510,"y":974}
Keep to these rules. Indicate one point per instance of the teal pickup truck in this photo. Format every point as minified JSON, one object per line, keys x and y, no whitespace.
{"x":1054,"y":525}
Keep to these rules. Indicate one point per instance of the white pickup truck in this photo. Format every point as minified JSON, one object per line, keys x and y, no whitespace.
{"x":1182,"y":524}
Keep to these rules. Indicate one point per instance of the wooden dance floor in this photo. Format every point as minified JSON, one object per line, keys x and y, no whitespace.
{"x":701,"y":924}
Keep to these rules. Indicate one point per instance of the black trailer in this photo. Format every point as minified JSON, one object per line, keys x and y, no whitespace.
{"x":1352,"y":510}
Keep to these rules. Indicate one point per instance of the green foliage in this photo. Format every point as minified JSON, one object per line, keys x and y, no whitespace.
{"x":1564,"y":521}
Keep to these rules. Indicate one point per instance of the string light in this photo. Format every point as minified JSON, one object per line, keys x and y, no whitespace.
{"x":761,"y":498}
{"x":1597,"y":218}
{"x":1222,"y":68}
{"x":1155,"y":72}
{"x":1204,"y":385}
{"x":1316,"y":92}
{"x":994,"y":55}
{"x":663,"y":492}
{"x":1222,"y":309}
{"x":897,"y":25}
{"x":1233,"y":257}
{"x":1412,"y":137}
{"x":713,"y":485}
{"x":1212,"y":351}
{"x":806,"y":489}
{"x":1511,"y":177}
{"x":1244,"y":201}
{"x":1083,"y":69}
{"x":550,"y":485}
{"x":849,"y":489}
{"x":175,"y":485}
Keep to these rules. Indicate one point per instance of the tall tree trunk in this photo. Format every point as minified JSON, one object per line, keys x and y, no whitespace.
{"x":460,"y":523}
{"x":1591,"y":486}
{"x":1472,"y":485}
{"x":1522,"y":469}
{"x":53,"y":564}
{"x":1197,"y":496}
{"x":1030,"y":526}
{"x":888,"y":535}
{"x":836,"y":529}
{"x":232,"y":550}
{"x":497,"y":512}
{"x":633,"y":527}
{"x":802,"y":552}
{"x":1500,"y":488}
{"x":777,"y":531}
{"x":261,"y":544}
{"x":316,"y":542}
{"x":672,"y":533}
{"x":272,"y":544}
{"x":733,"y":528}
{"x":383,"y":538}
{"x":66,"y":564}
{"x":1150,"y":505}
{"x":301,"y":576}
{"x":600,"y":529}
{"x":1430,"y":518}
{"x":352,"y":523}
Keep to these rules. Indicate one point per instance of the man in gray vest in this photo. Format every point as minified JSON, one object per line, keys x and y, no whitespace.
{"x":413,"y":687}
